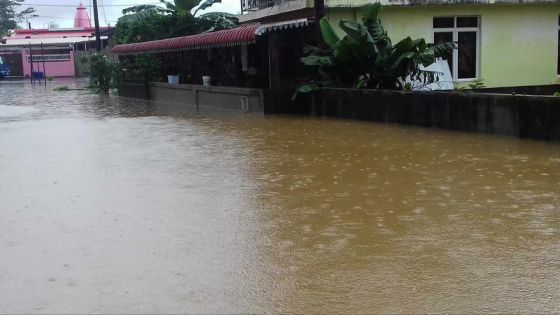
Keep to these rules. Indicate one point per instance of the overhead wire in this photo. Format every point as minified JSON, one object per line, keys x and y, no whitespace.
{"x":103,"y":10}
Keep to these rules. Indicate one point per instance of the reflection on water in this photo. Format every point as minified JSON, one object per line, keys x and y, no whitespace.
{"x":108,"y":207}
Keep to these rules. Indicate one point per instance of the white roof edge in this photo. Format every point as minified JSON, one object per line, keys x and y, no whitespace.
{"x":283,"y":25}
{"x":47,"y":41}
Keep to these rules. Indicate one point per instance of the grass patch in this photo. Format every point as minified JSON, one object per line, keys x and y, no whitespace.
{"x":62,"y":88}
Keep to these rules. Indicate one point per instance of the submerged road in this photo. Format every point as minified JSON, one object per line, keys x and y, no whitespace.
{"x":108,"y":207}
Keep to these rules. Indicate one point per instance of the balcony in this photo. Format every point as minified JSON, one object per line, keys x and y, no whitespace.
{"x":259,"y":9}
{"x":254,"y":5}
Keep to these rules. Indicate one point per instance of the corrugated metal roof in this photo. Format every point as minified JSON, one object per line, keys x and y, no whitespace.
{"x":232,"y":37}
{"x":242,"y":35}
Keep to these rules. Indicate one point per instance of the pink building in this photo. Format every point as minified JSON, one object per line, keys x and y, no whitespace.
{"x":51,"y":51}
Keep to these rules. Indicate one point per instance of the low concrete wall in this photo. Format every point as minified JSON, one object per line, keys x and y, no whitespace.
{"x":535,"y":117}
{"x":527,"y":116}
{"x":134,"y":90}
{"x":184,"y":98}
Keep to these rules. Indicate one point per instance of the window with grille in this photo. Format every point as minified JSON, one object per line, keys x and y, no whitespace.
{"x":49,"y":58}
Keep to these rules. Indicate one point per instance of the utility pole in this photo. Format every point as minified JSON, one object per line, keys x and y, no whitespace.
{"x":96,"y":21}
{"x":44,"y":68}
{"x":27,"y":19}
{"x":319,"y":13}
{"x":319,"y":6}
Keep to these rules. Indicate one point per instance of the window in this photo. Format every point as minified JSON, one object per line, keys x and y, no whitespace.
{"x":465,"y":31}
{"x":49,"y":58}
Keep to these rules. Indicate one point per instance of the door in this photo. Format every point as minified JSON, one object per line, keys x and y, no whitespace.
{"x":14,"y":60}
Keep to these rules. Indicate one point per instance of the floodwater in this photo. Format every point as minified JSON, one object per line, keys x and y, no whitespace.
{"x":106,"y":207}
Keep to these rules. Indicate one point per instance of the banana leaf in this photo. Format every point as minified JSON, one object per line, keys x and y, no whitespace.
{"x":327,"y":32}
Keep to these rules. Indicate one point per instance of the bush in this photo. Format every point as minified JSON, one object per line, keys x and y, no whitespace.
{"x":103,"y":73}
{"x":147,"y":67}
{"x":477,"y":84}
{"x":141,"y":68}
{"x":62,"y":88}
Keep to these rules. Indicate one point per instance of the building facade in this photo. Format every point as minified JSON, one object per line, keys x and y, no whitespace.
{"x":503,"y":43}
{"x":51,"y":51}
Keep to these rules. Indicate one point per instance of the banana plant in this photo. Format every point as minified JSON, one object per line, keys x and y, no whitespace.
{"x":170,"y":19}
{"x":366,"y":57}
{"x":179,"y":7}
{"x":205,"y":4}
{"x":217,"y":21}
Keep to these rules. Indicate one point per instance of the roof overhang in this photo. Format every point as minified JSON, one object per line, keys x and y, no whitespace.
{"x":284,"y":25}
{"x":21,"y":42}
{"x":232,"y":37}
{"x":243,"y":35}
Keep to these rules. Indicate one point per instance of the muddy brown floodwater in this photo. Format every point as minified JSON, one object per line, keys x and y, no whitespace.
{"x":107,"y":207}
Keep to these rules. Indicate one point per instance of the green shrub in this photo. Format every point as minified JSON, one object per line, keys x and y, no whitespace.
{"x":103,"y":73}
{"x":477,"y":84}
{"x":147,"y":67}
{"x":62,"y":88}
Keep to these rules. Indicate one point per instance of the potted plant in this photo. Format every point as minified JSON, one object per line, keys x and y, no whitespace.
{"x":173,"y":78}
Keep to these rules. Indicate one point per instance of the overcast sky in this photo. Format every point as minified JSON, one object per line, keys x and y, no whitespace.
{"x":62,"y":11}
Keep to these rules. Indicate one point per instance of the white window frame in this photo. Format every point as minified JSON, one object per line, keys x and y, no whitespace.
{"x":455,"y":31}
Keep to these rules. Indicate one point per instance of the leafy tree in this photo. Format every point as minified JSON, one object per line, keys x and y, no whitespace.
{"x":150,"y":25}
{"x":9,"y":18}
{"x":206,"y":4}
{"x":215,"y":21}
{"x":366,"y":57}
{"x":151,"y":22}
{"x":177,"y":7}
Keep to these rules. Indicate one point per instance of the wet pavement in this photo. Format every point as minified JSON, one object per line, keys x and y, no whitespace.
{"x":108,"y":207}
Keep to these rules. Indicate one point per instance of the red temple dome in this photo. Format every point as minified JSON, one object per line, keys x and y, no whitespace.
{"x":81,"y":20}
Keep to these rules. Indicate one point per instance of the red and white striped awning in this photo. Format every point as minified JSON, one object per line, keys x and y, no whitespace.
{"x":242,"y":35}
{"x":232,"y":37}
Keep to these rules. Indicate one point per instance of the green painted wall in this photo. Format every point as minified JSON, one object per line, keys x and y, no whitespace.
{"x":519,"y":43}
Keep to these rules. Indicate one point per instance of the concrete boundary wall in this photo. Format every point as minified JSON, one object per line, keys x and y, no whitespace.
{"x":524,"y":116}
{"x":186,"y":98}
{"x":133,"y":89}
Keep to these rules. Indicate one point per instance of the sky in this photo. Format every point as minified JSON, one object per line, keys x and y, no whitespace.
{"x":62,"y":11}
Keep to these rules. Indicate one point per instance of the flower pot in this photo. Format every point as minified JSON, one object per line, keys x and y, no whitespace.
{"x":206,"y":80}
{"x":173,"y":79}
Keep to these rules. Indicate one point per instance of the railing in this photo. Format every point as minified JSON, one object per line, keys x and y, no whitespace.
{"x":49,"y":58}
{"x":254,"y":5}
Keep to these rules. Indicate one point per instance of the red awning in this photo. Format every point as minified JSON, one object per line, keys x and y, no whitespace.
{"x":232,"y":37}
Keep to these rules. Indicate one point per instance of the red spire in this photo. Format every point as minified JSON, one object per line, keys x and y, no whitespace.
{"x":81,"y":20}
